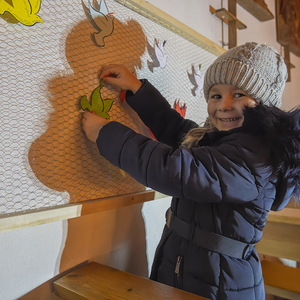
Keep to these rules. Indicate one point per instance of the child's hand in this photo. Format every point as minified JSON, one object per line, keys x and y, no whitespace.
{"x":91,"y":124}
{"x":120,"y":77}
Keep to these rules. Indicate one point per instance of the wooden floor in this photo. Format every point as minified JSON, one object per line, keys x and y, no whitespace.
{"x":95,"y":282}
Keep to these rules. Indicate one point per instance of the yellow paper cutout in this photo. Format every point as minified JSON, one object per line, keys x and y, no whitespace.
{"x":24,"y":11}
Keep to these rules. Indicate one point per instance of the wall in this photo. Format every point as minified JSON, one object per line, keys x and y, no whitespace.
{"x":121,"y":238}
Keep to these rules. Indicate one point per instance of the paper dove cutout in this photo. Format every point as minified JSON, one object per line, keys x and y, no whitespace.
{"x":103,"y":21}
{"x":197,"y":79}
{"x":101,"y":107}
{"x":157,"y":54}
{"x":24,"y":11}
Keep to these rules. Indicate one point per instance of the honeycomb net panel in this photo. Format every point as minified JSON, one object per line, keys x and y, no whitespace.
{"x":45,"y":158}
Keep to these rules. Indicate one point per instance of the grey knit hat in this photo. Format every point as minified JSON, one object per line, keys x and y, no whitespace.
{"x":256,"y":69}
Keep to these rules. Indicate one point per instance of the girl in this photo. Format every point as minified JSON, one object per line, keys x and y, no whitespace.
{"x":224,"y":178}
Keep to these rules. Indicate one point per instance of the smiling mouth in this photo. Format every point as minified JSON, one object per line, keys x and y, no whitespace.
{"x":229,"y":120}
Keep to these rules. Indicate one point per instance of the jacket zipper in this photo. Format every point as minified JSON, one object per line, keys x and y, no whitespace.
{"x":177,"y":270}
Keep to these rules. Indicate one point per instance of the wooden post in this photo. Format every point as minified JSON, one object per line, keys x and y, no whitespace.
{"x":287,"y":61}
{"x":232,"y":25}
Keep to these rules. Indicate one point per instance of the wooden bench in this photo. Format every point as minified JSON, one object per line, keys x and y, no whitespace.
{"x":281,"y":280}
{"x":281,"y":238}
{"x":95,"y":282}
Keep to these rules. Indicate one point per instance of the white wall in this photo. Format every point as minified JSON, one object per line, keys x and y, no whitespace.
{"x":32,"y":256}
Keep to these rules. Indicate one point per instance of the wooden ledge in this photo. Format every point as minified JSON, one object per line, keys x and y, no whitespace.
{"x":95,"y":282}
{"x":281,"y":280}
{"x":225,"y":16}
{"x":69,"y":211}
{"x":287,"y":215}
{"x":257,"y":8}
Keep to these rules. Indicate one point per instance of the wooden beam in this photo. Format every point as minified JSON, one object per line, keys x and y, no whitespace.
{"x":232,"y":25}
{"x":287,"y":61}
{"x":232,"y":7}
{"x":69,"y":211}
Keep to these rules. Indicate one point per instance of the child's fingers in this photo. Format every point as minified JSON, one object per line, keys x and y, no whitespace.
{"x":113,"y":81}
{"x":86,"y":115}
{"x":110,"y":71}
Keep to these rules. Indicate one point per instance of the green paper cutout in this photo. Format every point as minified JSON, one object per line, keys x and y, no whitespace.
{"x":101,"y":107}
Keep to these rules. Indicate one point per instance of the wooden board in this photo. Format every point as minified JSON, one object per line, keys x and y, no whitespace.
{"x":96,"y":282}
{"x":43,"y":216}
{"x":257,"y":8}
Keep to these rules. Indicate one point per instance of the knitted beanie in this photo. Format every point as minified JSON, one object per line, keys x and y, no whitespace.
{"x":256,"y":69}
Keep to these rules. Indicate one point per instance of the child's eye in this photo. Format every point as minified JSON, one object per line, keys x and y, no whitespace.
{"x":238,"y":95}
{"x":216,"y":96}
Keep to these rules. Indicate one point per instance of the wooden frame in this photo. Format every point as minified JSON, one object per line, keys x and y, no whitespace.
{"x":46,"y":215}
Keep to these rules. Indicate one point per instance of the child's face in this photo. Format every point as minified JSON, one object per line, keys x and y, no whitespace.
{"x":225,"y":106}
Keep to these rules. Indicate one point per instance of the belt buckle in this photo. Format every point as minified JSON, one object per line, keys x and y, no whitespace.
{"x":246,"y":251}
{"x":169,"y":218}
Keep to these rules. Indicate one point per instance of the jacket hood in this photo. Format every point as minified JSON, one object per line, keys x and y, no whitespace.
{"x":281,"y":131}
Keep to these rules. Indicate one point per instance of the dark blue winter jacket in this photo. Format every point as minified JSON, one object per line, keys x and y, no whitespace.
{"x":227,"y":185}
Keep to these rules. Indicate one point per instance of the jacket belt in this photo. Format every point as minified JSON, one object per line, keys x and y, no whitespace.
{"x":206,"y":239}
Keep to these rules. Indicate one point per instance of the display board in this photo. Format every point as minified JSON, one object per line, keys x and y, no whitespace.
{"x":51,"y":54}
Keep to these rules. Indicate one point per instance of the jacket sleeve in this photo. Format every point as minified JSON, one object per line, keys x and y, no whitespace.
{"x":165,"y":123}
{"x":205,"y":174}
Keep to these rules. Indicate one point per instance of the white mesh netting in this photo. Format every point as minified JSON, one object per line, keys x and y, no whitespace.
{"x":45,"y":158}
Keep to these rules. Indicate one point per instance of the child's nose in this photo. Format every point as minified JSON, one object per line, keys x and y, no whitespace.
{"x":227,"y":103}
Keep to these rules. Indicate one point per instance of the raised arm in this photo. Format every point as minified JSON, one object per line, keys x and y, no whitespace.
{"x":154,"y":110}
{"x":167,"y":125}
{"x":202,"y":174}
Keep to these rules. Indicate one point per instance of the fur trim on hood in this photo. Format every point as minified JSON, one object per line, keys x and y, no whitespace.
{"x":281,"y":131}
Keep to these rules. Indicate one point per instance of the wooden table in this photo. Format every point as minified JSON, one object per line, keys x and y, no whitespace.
{"x":95,"y":282}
